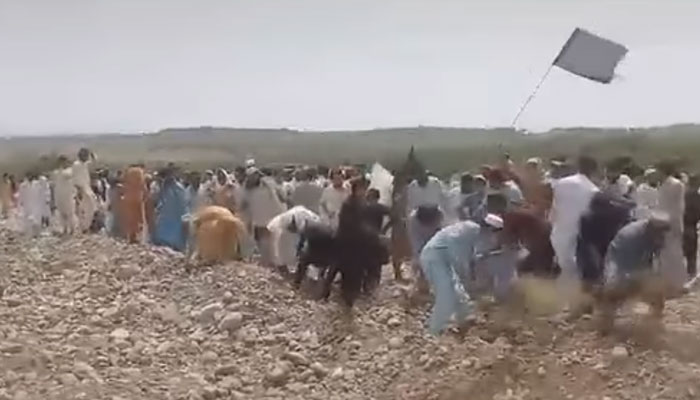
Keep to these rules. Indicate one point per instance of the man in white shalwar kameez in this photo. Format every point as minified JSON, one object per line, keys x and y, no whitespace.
{"x":332,"y":198}
{"x":279,"y":226}
{"x":262,"y":203}
{"x":425,"y":190}
{"x":64,"y":197}
{"x":571,"y":197}
{"x":31,"y":200}
{"x":646,"y":196}
{"x":672,"y":203}
{"x":87,"y":206}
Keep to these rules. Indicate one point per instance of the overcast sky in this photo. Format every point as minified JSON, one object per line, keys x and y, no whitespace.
{"x":143,"y":65}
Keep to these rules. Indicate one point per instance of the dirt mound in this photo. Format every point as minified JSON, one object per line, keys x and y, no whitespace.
{"x":93,"y":318}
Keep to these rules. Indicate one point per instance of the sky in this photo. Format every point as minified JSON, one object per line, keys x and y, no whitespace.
{"x":90,"y":66}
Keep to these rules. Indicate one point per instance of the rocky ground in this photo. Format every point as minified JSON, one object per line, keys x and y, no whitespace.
{"x":91,"y":318}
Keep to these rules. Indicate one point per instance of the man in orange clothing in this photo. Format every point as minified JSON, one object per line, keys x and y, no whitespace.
{"x":215,"y":235}
{"x":133,"y":203}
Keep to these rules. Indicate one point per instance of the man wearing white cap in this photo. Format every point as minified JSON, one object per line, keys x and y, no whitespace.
{"x":448,"y":253}
{"x":646,"y":196}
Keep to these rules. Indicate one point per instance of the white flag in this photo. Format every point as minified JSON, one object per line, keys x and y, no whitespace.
{"x":382,"y":180}
{"x":590,"y":56}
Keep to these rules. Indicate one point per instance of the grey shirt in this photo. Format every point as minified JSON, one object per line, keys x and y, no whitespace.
{"x":631,"y":251}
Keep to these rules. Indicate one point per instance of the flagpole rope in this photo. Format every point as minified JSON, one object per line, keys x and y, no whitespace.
{"x":532,"y":96}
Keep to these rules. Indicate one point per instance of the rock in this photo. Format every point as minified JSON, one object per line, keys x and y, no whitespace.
{"x":279,"y":328}
{"x":21,"y":395}
{"x":394,"y":322}
{"x":355,"y":345}
{"x":236,"y":395}
{"x":120,"y":334}
{"x":126,"y":272}
{"x":225,"y":370}
{"x":170,"y":313}
{"x":84,"y":371}
{"x":541,"y":371}
{"x":337,"y":373}
{"x":13,"y":302}
{"x":11,"y":348}
{"x":395,"y":343}
{"x":208,"y":313}
{"x":209,"y":392}
{"x":209,"y":357}
{"x":230,"y":383}
{"x":68,"y":379}
{"x":227,"y":298}
{"x":319,"y":370}
{"x":231,"y":322}
{"x":296,"y":387}
{"x":296,"y":358}
{"x":619,"y":352}
{"x":164,"y":347}
{"x":278,"y":375}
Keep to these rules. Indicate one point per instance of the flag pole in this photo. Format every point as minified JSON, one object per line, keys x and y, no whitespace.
{"x":532,"y":96}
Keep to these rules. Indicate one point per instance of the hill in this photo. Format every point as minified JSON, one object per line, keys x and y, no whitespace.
{"x":444,"y":150}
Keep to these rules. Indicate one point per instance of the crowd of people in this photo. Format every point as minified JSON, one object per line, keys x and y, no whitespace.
{"x":615,"y":231}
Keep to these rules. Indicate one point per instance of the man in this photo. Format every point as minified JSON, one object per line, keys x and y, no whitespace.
{"x":691,"y":217}
{"x":496,"y":258}
{"x":376,"y":215}
{"x":64,"y":196}
{"x":646,"y":195}
{"x":425,"y":190}
{"x":617,"y":183}
{"x":6,"y":195}
{"x":473,"y":206}
{"x":671,"y":203}
{"x":361,"y":253}
{"x":215,"y":235}
{"x":457,"y":196}
{"x":536,"y":192}
{"x":170,"y":209}
{"x":333,"y":197}
{"x":423,"y":223}
{"x":133,"y":203}
{"x":629,"y":268}
{"x":45,"y":189}
{"x":571,"y":198}
{"x":500,"y":183}
{"x":31,"y":200}
{"x":306,"y":192}
{"x":115,"y":195}
{"x":191,"y":182}
{"x":447,"y":254}
{"x":224,"y":194}
{"x":87,"y":201}
{"x":606,"y":215}
{"x":262,"y":204}
{"x":528,"y":229}
{"x":400,"y":239}
{"x":291,"y":221}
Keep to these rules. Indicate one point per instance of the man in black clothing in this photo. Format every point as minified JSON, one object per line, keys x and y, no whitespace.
{"x":606,"y":215}
{"x":360,"y":252}
{"x":316,"y":247}
{"x":375,"y":213}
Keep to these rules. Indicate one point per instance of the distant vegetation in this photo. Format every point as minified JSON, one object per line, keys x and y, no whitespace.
{"x":443,"y":150}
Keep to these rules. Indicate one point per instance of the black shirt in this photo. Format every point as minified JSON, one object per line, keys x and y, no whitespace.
{"x":374,"y":215}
